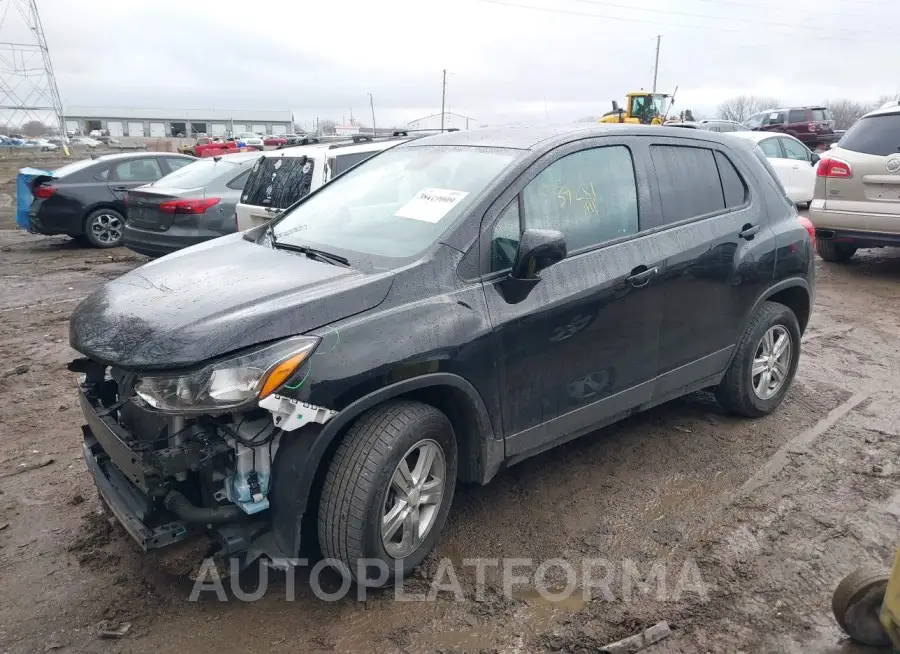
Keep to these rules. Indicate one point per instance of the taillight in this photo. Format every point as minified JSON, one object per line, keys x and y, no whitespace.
{"x":807,"y":224}
{"x":187,"y":205}
{"x":811,"y":127}
{"x":833,"y":167}
{"x":236,"y":227}
{"x":43,"y":192}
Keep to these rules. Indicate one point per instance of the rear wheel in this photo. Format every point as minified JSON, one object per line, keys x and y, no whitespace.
{"x":103,"y":228}
{"x":388,"y":490}
{"x":831,"y":251}
{"x":764,"y":363}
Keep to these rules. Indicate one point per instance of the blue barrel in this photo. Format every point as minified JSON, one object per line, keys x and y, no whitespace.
{"x":23,"y":194}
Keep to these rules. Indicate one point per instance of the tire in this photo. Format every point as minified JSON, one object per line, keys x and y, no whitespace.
{"x":856,"y":602}
{"x":359,"y":487}
{"x":103,"y":228}
{"x":831,"y":251}
{"x":740,"y":391}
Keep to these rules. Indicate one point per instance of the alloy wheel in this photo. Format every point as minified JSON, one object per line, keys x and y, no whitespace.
{"x":106,"y":228}
{"x":413,"y":498}
{"x":772,"y":362}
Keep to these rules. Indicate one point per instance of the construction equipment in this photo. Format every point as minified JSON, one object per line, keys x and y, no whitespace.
{"x":866,"y":604}
{"x":641,"y":107}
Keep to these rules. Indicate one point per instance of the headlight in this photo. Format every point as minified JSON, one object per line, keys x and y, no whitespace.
{"x":227,"y":384}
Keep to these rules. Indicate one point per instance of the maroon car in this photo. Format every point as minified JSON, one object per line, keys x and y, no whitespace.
{"x":274,"y":140}
{"x":812,"y":125}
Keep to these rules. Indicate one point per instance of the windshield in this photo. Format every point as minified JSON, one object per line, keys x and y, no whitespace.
{"x":394,"y":205}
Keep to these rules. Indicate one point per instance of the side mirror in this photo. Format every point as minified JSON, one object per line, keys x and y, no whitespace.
{"x":615,"y":106}
{"x":814,"y":159}
{"x":538,"y":249}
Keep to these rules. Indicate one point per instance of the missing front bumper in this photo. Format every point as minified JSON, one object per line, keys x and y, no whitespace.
{"x":126,"y":501}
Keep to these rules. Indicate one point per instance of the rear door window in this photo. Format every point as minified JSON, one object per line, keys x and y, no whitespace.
{"x":137,"y":170}
{"x":878,"y":135}
{"x":688,"y":179}
{"x":797,"y":116}
{"x":278,"y":181}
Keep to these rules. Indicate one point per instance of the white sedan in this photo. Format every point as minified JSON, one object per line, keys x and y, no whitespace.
{"x":793,"y":162}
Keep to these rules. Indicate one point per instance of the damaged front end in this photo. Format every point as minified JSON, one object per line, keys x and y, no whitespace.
{"x":188,"y":456}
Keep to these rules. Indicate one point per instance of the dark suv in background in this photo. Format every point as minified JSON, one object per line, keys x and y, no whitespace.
{"x":441,"y":311}
{"x":814,"y":126}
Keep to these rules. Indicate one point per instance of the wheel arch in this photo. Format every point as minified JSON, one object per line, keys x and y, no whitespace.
{"x":105,"y":204}
{"x":301,"y":463}
{"x":795,"y":295}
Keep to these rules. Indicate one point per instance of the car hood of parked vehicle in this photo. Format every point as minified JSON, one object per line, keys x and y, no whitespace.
{"x":215,"y":298}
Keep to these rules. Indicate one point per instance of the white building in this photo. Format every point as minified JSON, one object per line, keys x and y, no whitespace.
{"x":451,"y":121}
{"x":158,"y":123}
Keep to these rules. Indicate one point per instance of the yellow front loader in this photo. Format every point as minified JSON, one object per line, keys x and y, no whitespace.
{"x":641,"y":107}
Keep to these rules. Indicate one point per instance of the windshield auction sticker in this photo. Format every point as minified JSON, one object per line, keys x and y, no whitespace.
{"x":431,"y":204}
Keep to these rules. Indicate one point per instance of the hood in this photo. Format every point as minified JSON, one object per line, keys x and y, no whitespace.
{"x":215,"y":298}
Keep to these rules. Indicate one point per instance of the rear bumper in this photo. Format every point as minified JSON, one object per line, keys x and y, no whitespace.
{"x":859,"y":239}
{"x":50,"y":224}
{"x":156,"y":244}
{"x":864,"y":229}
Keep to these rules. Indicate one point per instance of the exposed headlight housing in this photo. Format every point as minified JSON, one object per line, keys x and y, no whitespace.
{"x":228,"y":384}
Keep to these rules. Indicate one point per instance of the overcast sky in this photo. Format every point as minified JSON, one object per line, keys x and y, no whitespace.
{"x":506,"y":63}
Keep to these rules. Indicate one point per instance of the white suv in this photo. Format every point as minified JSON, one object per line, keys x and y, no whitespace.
{"x":281,"y":177}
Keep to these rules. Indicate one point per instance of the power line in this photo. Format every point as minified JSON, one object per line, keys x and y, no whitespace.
{"x":662,"y":23}
{"x":709,"y":17}
{"x":758,"y":7}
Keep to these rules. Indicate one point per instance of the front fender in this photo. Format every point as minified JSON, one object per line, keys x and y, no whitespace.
{"x":299,"y":455}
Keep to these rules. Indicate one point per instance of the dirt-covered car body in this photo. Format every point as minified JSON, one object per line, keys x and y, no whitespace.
{"x":218,"y":382}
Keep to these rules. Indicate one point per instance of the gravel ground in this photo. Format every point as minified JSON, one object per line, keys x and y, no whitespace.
{"x":767,"y":514}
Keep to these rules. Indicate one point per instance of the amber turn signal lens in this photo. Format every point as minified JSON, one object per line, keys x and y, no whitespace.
{"x":280,"y":373}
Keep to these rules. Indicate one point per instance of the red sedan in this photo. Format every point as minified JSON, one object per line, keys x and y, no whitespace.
{"x":274,"y":140}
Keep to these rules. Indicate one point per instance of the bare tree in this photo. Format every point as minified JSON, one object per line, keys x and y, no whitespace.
{"x":741,"y":107}
{"x":34,"y":128}
{"x":846,"y":112}
{"x":326,"y":127}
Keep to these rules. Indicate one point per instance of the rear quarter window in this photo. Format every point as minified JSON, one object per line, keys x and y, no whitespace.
{"x":821,"y":114}
{"x":278,"y":181}
{"x":878,"y":135}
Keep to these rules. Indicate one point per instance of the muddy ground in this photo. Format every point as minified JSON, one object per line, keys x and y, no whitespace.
{"x":768,"y":514}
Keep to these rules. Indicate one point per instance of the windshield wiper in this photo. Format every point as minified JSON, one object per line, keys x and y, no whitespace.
{"x":312,"y":253}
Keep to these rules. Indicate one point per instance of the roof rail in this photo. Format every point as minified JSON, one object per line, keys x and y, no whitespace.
{"x":407,"y":132}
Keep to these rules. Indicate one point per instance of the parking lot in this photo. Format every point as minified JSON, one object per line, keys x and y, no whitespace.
{"x":768,"y":515}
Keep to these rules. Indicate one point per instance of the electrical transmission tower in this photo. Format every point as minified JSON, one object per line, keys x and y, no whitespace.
{"x":28,"y":91}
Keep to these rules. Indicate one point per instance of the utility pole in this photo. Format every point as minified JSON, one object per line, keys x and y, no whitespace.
{"x":372,"y":104}
{"x":656,"y":65}
{"x":443,"y":99}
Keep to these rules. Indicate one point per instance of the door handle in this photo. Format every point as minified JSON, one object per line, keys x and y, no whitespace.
{"x":641,"y":276}
{"x":120,"y":188}
{"x":748,"y":231}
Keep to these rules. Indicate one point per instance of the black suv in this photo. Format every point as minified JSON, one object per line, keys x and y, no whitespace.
{"x":441,"y":311}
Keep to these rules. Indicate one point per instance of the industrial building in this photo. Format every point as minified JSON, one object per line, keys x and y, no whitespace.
{"x":451,"y":121}
{"x":159,"y":123}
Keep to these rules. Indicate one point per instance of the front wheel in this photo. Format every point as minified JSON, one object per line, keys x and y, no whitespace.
{"x":764,"y":362}
{"x":103,"y":228}
{"x":388,"y":491}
